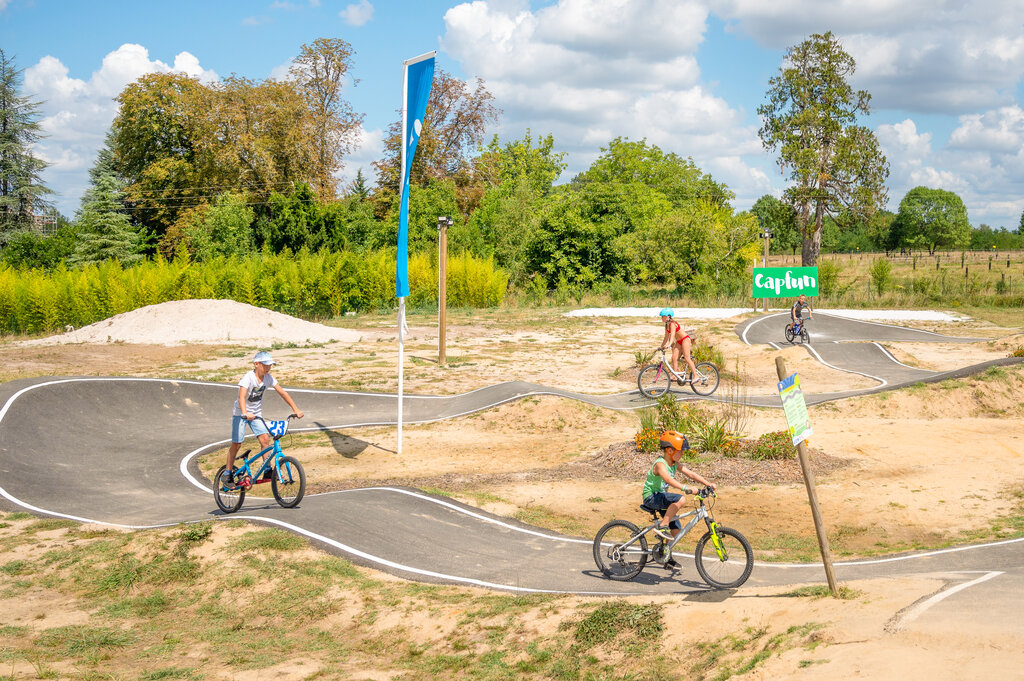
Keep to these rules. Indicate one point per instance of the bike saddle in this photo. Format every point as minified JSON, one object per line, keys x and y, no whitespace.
{"x":648,"y":509}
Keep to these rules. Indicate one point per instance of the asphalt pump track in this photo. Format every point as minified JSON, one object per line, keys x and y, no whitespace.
{"x":122,"y":451}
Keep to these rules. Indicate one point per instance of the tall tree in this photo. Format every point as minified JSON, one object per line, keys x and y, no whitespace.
{"x":933,"y":218}
{"x":811,"y":119}
{"x":320,"y":71}
{"x":678,"y":179}
{"x":518,"y":176}
{"x":453,"y":128}
{"x":104,"y":230}
{"x":22,"y":193}
{"x":779,"y":218}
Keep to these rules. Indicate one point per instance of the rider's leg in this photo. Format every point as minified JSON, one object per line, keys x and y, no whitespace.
{"x":687,"y":344}
{"x":670,"y":513}
{"x":237,"y":435}
{"x":676,"y":351}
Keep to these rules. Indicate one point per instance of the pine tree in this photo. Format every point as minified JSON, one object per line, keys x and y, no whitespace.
{"x":21,"y":190}
{"x":105,"y":231}
{"x":358,"y":187}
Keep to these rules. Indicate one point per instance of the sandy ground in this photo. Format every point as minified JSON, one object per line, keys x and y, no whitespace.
{"x":910,"y":454}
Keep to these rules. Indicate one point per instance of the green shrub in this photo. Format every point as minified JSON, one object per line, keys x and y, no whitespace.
{"x":828,"y":278}
{"x":309,"y":285}
{"x":771,"y":446}
{"x":881,"y":275}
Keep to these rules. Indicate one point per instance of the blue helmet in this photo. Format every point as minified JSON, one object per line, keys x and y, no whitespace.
{"x":667,"y":312}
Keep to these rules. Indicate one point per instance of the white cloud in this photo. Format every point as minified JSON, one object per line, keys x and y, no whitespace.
{"x":916,"y":55}
{"x":1000,"y":131}
{"x":76,"y":113}
{"x":590,"y":71}
{"x":357,"y":14}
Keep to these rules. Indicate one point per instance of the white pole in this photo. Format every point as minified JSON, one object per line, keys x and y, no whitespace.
{"x":401,"y":301}
{"x":401,"y":365}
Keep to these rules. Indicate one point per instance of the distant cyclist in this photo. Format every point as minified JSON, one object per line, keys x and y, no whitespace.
{"x":796,"y":312}
{"x":679,"y":340}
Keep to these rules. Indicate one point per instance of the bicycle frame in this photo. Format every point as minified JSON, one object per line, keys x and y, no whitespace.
{"x":271,"y":460}
{"x":668,"y":367}
{"x":698,"y":514}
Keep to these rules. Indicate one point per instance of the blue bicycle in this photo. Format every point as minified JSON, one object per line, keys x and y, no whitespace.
{"x":284,"y":473}
{"x":798,"y":330}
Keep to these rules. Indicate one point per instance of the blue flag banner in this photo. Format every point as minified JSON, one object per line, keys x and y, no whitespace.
{"x":419,"y":76}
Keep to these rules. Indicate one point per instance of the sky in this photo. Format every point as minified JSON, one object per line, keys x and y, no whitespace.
{"x":686,"y":75}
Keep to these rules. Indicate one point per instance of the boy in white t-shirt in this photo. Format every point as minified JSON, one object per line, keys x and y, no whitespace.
{"x":249,"y":405}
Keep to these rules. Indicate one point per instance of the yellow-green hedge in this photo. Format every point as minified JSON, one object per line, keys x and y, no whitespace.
{"x":310,"y":285}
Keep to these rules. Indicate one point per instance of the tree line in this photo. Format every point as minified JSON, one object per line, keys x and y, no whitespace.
{"x":194,"y":171}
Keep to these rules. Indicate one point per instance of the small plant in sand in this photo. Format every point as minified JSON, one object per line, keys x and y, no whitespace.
{"x":771,"y":446}
{"x":643,"y":357}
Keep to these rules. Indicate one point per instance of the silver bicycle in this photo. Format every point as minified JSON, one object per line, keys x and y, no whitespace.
{"x":723,"y":555}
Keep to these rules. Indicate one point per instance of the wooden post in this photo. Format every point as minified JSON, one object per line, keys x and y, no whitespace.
{"x":812,"y":497}
{"x":442,"y":289}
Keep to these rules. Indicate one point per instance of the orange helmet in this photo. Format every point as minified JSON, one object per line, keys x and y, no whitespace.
{"x":675,"y":440}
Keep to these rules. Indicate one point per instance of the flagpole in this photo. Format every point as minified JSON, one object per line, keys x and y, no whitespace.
{"x":402,"y":255}
{"x":401,"y":299}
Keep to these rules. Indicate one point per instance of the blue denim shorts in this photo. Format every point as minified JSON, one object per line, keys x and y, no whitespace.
{"x":238,"y":428}
{"x":661,"y":501}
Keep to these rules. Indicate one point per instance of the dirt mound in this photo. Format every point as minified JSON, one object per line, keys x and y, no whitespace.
{"x":202,"y":321}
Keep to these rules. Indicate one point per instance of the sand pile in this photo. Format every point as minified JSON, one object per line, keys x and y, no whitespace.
{"x":202,"y":321}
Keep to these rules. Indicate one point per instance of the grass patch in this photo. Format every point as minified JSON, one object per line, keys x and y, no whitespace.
{"x":633,"y":628}
{"x":822,"y":591}
{"x":269,"y":539}
{"x":171,"y":673}
{"x":78,"y":640}
{"x":739,"y":654}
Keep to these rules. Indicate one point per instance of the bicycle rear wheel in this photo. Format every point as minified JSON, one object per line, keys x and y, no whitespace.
{"x":789,"y":334}
{"x":229,"y":499}
{"x":706,"y":380}
{"x":289,"y":482}
{"x":620,"y":564}
{"x":654,"y":381}
{"x":738,"y":562}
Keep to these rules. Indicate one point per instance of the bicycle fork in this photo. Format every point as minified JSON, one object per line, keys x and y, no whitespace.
{"x":716,"y":539}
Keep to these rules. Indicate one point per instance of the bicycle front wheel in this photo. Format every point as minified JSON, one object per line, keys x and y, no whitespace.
{"x":616,"y":562}
{"x":706,"y":380}
{"x":288,"y":482}
{"x":733,"y":567}
{"x":229,"y":499}
{"x":804,"y":336}
{"x":653,"y":381}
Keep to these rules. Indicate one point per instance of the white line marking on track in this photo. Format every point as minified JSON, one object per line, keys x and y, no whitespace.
{"x":921,"y":607}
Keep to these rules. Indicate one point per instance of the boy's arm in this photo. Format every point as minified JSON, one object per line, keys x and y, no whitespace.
{"x":288,"y":398}
{"x":662,"y":470}
{"x":241,"y":401}
{"x":696,"y":477}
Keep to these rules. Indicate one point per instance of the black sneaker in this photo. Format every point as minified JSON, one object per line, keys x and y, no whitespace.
{"x":227,"y":479}
{"x":671,"y":564}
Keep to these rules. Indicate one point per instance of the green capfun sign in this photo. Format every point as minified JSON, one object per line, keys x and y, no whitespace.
{"x":785,"y":282}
